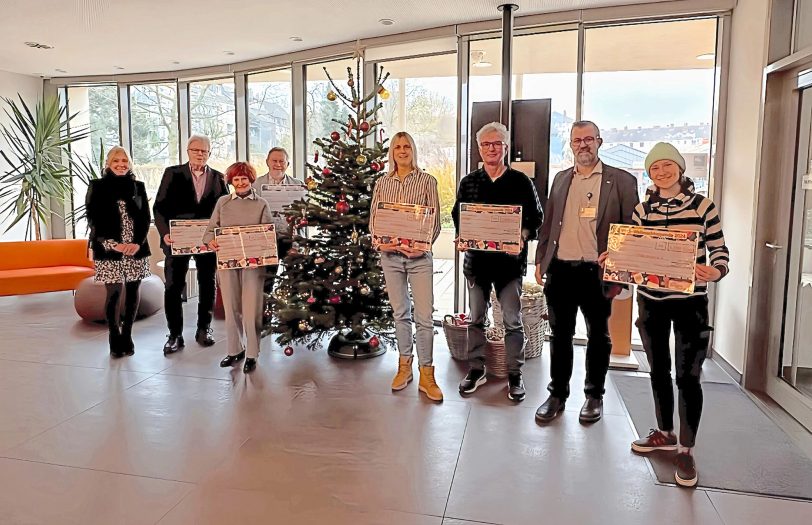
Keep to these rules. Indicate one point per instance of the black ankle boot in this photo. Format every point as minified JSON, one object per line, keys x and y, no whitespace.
{"x":127,"y":344}
{"x":115,"y":343}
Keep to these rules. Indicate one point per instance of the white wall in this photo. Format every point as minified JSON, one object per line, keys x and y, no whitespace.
{"x":30,"y":88}
{"x":748,"y":56}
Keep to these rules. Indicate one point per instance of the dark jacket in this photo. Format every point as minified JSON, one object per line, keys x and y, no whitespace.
{"x":104,"y":218}
{"x":512,"y":188}
{"x":617,"y":200}
{"x":176,"y":198}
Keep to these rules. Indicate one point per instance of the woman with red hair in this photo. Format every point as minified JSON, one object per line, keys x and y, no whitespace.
{"x":242,"y":288}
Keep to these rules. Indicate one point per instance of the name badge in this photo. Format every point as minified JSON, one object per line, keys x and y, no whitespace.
{"x":588,"y":212}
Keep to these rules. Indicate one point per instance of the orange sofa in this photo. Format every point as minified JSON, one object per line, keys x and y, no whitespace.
{"x":28,"y":267}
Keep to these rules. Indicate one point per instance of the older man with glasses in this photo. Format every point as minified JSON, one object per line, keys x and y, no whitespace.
{"x":584,"y":201}
{"x":496,"y":183}
{"x":188,"y":191}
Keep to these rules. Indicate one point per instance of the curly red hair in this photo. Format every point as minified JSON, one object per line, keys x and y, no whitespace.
{"x":241,"y":169}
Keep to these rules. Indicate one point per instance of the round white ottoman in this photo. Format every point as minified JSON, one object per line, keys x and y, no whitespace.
{"x":90,"y":295}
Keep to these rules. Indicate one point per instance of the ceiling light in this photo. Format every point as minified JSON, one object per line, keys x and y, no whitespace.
{"x":60,"y":70}
{"x":386,"y":21}
{"x":296,"y":38}
{"x":175,"y":62}
{"x":229,"y":53}
{"x":478,"y":59}
{"x":118,"y":67}
{"x":37,"y":45}
{"x":706,"y":56}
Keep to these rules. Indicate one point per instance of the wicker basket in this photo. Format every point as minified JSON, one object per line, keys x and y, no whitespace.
{"x":457,"y":338}
{"x":534,"y":321}
{"x":495,"y":355}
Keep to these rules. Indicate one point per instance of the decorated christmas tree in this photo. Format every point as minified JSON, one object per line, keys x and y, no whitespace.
{"x":332,"y":282}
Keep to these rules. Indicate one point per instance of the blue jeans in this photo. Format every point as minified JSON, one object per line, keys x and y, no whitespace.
{"x":400,"y":273}
{"x":479,"y":298}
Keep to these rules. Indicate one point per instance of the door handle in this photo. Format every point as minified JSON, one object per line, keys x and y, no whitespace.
{"x":773,"y":246}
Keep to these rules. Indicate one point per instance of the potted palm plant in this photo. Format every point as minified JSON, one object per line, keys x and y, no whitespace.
{"x":40,"y":162}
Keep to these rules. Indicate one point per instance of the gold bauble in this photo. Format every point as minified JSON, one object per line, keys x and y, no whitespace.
{"x":331,"y":95}
{"x":311,"y":183}
{"x":361,"y":159}
{"x":384,"y":94}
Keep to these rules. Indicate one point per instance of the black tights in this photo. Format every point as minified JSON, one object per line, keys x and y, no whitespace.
{"x":111,"y":306}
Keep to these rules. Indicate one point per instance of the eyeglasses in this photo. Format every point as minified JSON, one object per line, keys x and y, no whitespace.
{"x":491,"y":145}
{"x":199,"y":151}
{"x":586,"y":140}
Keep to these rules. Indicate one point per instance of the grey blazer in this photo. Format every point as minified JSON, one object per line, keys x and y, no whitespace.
{"x":617,"y":201}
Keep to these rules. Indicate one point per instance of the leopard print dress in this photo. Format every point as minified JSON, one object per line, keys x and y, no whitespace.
{"x":126,"y":269}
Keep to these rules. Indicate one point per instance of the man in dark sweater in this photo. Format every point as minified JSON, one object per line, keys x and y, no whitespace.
{"x":496,"y":183}
{"x":188,"y":191}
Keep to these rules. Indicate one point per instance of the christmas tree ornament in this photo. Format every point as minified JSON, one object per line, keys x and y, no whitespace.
{"x":316,"y":157}
{"x":331,"y":95}
{"x":311,"y":299}
{"x":364,"y":126}
{"x":334,"y":299}
{"x":303,"y":222}
{"x":303,"y":326}
{"x":318,"y":260}
{"x":350,"y":82}
{"x":354,"y":236}
{"x":342,"y":206}
{"x":374,"y":342}
{"x":364,"y":290}
{"x":375,"y":166}
{"x":383,"y":93}
{"x":361,"y":159}
{"x":326,"y":171}
{"x":338,"y":269}
{"x":288,"y":351}
{"x":334,"y":136}
{"x":355,"y":103}
{"x":291,"y":219}
{"x":311,"y":183}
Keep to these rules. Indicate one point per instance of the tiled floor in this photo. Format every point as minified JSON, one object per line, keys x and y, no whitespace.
{"x":305,"y":439}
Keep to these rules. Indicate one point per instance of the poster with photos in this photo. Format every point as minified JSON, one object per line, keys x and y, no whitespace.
{"x":187,"y":236}
{"x":246,"y":246}
{"x":409,"y":225}
{"x":652,"y":257}
{"x":490,"y":227}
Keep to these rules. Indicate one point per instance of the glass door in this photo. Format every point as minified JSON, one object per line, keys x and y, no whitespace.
{"x":791,"y":386}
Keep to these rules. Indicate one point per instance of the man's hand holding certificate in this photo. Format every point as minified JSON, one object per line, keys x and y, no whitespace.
{"x":490,"y":227}
{"x":404,"y":226}
{"x":278,"y":196}
{"x":245,"y":246}
{"x":187,"y":236}
{"x":651,"y":257}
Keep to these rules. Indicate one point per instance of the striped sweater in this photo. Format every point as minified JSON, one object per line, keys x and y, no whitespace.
{"x":686,"y":211}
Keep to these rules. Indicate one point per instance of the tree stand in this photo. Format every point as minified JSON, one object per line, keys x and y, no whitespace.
{"x":347,"y":345}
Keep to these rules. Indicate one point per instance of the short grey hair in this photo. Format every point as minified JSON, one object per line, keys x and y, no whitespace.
{"x":280,"y":149}
{"x":201,"y":138}
{"x":585,"y":123}
{"x":113,"y":151}
{"x":499,"y":128}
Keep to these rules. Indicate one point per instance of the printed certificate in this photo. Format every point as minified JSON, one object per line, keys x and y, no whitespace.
{"x":491,"y":227}
{"x":410,"y":225}
{"x":246,"y":246}
{"x":278,"y":197}
{"x":187,"y":236}
{"x":652,"y":257}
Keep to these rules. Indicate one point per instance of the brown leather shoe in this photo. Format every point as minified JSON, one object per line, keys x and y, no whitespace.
{"x":428,"y":385}
{"x":404,"y":375}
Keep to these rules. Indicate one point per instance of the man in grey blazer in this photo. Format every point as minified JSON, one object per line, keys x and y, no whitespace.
{"x":584,"y":201}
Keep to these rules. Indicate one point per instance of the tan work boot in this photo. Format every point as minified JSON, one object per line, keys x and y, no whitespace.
{"x":404,"y":375}
{"x":428,"y":385}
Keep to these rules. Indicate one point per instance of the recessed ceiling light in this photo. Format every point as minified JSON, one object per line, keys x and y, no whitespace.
{"x":706,"y":56}
{"x":118,"y":67}
{"x":37,"y":45}
{"x":60,"y":70}
{"x":175,"y":62}
{"x":386,"y":21}
{"x":229,"y":53}
{"x":296,"y":38}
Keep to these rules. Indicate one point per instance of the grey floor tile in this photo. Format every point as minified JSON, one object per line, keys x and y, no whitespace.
{"x":737,"y":509}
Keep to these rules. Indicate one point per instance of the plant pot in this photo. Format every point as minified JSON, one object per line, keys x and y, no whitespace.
{"x":347,"y":345}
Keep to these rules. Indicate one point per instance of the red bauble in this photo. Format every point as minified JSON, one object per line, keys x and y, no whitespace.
{"x":334,"y":136}
{"x":303,"y":223}
{"x":291,"y":219}
{"x":375,"y":166}
{"x":311,"y":300}
{"x":342,"y":206}
{"x":334,"y":299}
{"x":374,"y":342}
{"x":364,"y":125}
{"x":326,"y":171}
{"x":289,"y":351}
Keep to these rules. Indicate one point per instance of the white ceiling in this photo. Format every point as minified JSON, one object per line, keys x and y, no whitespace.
{"x":103,"y":37}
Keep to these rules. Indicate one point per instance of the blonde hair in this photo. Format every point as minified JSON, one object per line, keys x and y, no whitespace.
{"x":113,"y":151}
{"x":392,"y":164}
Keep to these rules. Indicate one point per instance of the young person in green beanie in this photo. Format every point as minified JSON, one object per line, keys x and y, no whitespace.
{"x":671,"y":203}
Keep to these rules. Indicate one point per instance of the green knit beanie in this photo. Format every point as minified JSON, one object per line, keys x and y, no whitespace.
{"x":664,"y":151}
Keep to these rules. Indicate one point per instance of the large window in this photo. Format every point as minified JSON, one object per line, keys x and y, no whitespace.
{"x":646,"y":83}
{"x":269,"y":116}
{"x":97,"y":108}
{"x":319,"y":111}
{"x":153,"y":131}
{"x":212,"y":113}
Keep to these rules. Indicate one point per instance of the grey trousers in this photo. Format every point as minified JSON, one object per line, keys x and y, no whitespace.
{"x":479,"y":300}
{"x":400,"y":274}
{"x":243,"y":302}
